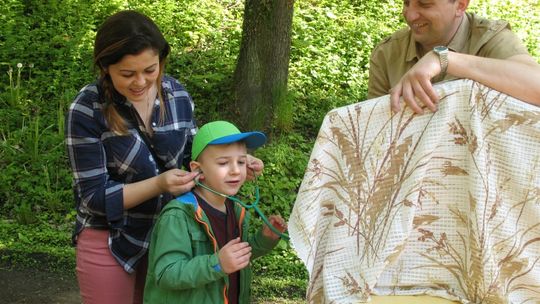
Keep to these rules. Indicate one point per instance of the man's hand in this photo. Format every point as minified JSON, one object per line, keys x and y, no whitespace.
{"x":234,"y":256}
{"x":415,"y":86}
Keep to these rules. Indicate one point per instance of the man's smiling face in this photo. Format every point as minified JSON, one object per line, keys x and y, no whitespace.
{"x":433,"y":22}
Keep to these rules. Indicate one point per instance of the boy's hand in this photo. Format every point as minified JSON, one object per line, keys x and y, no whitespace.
{"x":278,"y":222}
{"x":234,"y":256}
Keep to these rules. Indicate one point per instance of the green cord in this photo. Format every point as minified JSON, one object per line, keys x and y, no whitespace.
{"x":253,"y":205}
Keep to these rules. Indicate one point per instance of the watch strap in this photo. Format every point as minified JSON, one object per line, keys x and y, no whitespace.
{"x":442,"y":52}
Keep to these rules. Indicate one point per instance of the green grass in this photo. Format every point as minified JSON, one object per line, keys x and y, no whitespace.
{"x":36,"y":245}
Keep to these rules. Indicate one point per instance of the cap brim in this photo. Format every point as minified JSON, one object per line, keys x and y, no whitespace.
{"x":252,"y":139}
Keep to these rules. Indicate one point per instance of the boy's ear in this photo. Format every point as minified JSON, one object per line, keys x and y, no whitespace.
{"x":194,"y":166}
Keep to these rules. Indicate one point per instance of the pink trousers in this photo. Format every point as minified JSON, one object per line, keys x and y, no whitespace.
{"x":101,"y":278}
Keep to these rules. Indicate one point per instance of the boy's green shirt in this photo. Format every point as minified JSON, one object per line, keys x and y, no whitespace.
{"x":183,"y":264}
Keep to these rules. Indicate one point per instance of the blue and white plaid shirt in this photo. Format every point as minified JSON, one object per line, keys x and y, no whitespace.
{"x":103,"y":162}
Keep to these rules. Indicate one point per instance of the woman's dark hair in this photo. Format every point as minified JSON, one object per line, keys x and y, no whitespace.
{"x":125,"y":33}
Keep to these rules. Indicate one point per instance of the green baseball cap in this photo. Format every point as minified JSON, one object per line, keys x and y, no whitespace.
{"x":222,"y":132}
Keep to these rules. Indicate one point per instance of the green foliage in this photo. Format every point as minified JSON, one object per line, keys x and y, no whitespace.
{"x":279,"y":274}
{"x":205,"y":38}
{"x":285,"y":162}
{"x":38,"y":245}
{"x":332,"y":41}
{"x":46,"y":58}
{"x":35,"y":176}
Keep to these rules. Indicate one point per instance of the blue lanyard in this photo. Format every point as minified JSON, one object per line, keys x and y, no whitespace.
{"x":253,"y":205}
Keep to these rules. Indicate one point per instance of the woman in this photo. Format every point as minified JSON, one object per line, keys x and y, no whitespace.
{"x":126,"y":135}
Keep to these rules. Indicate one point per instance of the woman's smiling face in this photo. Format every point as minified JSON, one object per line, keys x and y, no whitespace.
{"x":134,"y":75}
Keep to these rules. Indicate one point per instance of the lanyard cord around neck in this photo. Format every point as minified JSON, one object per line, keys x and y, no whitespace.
{"x":253,"y":205}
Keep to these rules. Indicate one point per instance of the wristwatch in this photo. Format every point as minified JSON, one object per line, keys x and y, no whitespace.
{"x":442,"y":52}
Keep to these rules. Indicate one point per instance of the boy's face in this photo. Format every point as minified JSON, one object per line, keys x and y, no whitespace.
{"x":223,"y":168}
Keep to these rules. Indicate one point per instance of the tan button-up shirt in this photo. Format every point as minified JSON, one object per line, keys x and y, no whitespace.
{"x":395,"y":55}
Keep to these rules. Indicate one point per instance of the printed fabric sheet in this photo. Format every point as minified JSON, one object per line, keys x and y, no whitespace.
{"x":445,"y":204}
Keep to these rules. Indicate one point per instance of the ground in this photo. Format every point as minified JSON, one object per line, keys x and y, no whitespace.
{"x":30,"y":286}
{"x":25,"y":285}
{"x":58,"y":284}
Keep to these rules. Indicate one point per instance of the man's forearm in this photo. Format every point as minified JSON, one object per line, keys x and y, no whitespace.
{"x":518,"y":76}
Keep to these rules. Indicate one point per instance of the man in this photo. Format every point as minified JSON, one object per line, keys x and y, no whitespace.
{"x":444,"y":42}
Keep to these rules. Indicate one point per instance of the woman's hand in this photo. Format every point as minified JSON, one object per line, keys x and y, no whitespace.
{"x":255,"y":167}
{"x":176,"y":181}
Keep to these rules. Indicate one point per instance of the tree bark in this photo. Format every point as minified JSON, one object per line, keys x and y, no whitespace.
{"x":261,"y":74}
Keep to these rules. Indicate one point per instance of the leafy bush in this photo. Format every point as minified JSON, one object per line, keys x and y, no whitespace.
{"x":332,"y":42}
{"x":285,"y":161}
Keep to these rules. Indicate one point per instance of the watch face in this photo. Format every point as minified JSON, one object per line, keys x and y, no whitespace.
{"x":439,"y":49}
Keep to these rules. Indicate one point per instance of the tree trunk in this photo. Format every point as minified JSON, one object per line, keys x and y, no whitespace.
{"x":260,"y":78}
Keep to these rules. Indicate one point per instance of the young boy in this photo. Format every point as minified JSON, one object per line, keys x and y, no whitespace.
{"x":200,"y":249}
